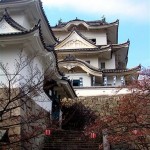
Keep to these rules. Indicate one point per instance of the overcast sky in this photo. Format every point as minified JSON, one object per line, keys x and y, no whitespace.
{"x":133,"y":15}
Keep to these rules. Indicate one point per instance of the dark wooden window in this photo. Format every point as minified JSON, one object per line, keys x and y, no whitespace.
{"x":102,"y":65}
{"x":76,"y":82}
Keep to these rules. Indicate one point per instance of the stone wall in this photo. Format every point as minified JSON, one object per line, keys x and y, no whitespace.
{"x":99,"y":104}
{"x":22,"y":118}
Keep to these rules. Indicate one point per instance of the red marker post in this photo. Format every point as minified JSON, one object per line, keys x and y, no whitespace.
{"x":47,"y":132}
{"x":92,"y":135}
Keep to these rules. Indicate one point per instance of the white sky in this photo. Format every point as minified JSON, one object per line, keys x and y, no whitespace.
{"x":137,"y":9}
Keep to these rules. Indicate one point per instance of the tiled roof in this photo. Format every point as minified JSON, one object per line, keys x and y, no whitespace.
{"x":81,"y":50}
{"x":42,"y":10}
{"x":25,"y":31}
{"x":73,"y":59}
{"x":114,"y":47}
{"x":78,"y":50}
{"x":36,"y":27}
{"x":138,"y":68}
{"x":90,"y":23}
{"x":48,"y":24}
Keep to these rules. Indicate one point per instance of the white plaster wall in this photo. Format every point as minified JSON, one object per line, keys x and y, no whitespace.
{"x":77,"y":76}
{"x":75,"y":41}
{"x":6,"y":28}
{"x":21,"y":19}
{"x":100,"y":36}
{"x":44,"y":101}
{"x":61,"y":35}
{"x":8,"y":56}
{"x":41,"y":99}
{"x":101,"y":91}
{"x":93,"y":61}
{"x":109,"y":64}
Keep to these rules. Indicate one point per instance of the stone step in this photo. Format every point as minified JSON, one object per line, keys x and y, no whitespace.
{"x":69,"y":140}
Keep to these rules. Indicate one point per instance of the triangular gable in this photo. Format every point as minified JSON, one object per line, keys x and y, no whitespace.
{"x":6,"y":28}
{"x":74,"y":41}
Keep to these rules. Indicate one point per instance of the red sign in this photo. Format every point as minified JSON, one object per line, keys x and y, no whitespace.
{"x":48,"y":132}
{"x":135,"y":132}
{"x":92,"y":135}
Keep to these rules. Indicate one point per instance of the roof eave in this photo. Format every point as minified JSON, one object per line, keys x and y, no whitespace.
{"x":39,"y":13}
{"x":68,"y":88}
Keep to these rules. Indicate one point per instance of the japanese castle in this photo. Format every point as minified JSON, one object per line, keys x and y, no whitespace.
{"x":90,"y":56}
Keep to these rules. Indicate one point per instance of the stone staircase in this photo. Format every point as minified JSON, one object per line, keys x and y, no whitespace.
{"x":69,"y":140}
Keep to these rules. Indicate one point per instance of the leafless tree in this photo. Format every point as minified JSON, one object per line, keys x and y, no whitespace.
{"x":22,"y":120}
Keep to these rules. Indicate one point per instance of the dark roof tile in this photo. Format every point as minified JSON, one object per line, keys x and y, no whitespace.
{"x":90,"y":23}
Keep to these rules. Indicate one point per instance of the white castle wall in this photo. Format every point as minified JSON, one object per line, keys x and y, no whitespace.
{"x":96,"y":62}
{"x":100,"y":36}
{"x":9,"y":55}
{"x":101,"y":91}
{"x":21,"y":19}
{"x":77,"y":76}
{"x":110,"y":64}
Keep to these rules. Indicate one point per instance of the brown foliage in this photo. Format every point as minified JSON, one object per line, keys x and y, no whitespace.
{"x":130,"y":121}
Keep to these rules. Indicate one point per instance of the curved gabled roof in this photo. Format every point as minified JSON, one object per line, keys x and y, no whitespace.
{"x":82,"y":64}
{"x":39,"y":14}
{"x":111,"y":28}
{"x":94,"y":23}
{"x":22,"y":32}
{"x":39,"y":28}
{"x":68,"y":87}
{"x":83,"y":50}
{"x":12,"y":22}
{"x":35,"y":28}
{"x":117,"y":47}
{"x":96,"y":71}
{"x":88,"y":24}
{"x":77,"y":36}
{"x":62,"y":80}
